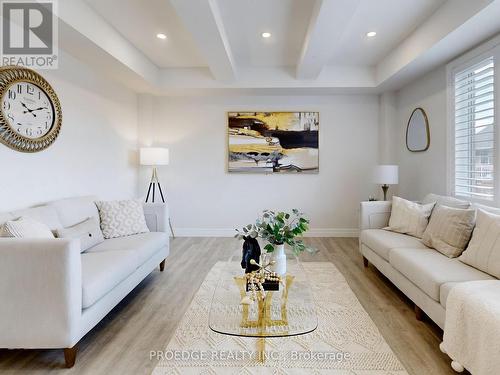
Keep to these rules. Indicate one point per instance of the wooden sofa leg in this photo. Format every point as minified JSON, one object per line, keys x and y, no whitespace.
{"x":419,"y":313}
{"x":365,"y":262}
{"x":162,"y":265}
{"x":70,"y":356}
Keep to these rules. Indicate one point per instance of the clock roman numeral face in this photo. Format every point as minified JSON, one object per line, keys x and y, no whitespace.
{"x":28,"y":110}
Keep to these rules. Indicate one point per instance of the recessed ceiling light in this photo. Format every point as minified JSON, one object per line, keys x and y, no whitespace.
{"x":371,"y":34}
{"x":266,"y":35}
{"x":161,"y":36}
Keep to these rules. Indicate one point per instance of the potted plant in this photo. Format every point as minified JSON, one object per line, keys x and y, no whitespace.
{"x":279,"y":228}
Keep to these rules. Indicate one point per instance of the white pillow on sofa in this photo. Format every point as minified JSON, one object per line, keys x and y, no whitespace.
{"x":88,"y":232}
{"x":409,"y":217}
{"x":121,"y":218}
{"x":26,"y":227}
{"x":449,"y":230}
{"x":445,"y":200}
{"x":483,"y":251}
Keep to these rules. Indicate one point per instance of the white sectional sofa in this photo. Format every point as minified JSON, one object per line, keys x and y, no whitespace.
{"x":425,"y":275}
{"x":52,"y":294}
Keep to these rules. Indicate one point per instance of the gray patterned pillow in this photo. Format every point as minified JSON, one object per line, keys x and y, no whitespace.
{"x":121,"y":218}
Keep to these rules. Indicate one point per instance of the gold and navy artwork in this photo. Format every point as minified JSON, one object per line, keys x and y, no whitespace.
{"x":273,"y":142}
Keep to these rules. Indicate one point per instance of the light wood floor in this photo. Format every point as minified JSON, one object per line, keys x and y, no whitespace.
{"x":147,"y":318}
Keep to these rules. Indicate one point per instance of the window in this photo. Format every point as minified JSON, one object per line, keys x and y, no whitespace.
{"x":474,"y":131}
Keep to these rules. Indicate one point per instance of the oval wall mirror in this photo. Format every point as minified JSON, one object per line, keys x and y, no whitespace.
{"x":418,"y":136}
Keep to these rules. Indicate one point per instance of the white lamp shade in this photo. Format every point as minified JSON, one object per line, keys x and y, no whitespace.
{"x":154,"y":156}
{"x":386,"y":174}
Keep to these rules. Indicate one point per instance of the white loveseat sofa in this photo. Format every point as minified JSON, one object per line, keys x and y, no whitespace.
{"x":52,"y":295}
{"x":425,"y":275}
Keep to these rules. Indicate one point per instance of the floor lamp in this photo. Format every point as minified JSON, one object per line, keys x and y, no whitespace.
{"x":155,"y":156}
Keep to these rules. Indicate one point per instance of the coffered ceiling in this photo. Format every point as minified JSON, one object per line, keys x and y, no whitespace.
{"x":314,"y":45}
{"x":140,"y":20}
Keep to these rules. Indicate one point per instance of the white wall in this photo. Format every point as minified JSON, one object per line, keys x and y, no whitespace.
{"x":95,"y":152}
{"x":422,"y":172}
{"x":387,"y":124}
{"x":205,"y":199}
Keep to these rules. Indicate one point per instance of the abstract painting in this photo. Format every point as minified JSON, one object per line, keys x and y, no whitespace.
{"x":273,"y":142}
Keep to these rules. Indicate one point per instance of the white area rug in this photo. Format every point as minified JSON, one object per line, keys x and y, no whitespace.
{"x":346,"y":342}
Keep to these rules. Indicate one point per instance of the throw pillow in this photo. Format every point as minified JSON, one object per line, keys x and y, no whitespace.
{"x":121,"y":218}
{"x":449,"y":230}
{"x":88,"y":231}
{"x":409,"y":217}
{"x":483,"y":251}
{"x":25,"y":227}
{"x":488,"y":209}
{"x":444,"y":200}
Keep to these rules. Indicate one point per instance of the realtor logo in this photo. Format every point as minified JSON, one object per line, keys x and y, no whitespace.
{"x":29,"y":34}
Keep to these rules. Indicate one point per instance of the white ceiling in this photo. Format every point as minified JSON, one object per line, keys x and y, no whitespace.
{"x":140,"y":20}
{"x":393,"y":20}
{"x":316,"y":45}
{"x":244,"y":21}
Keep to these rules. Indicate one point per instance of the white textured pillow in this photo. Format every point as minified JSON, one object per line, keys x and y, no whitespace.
{"x":444,"y":200}
{"x":121,"y":218}
{"x":449,"y":230}
{"x":409,"y":217}
{"x":25,"y":227}
{"x":88,"y":232}
{"x":483,"y":251}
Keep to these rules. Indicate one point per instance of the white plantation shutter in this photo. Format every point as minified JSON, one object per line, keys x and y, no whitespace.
{"x":475,"y":130}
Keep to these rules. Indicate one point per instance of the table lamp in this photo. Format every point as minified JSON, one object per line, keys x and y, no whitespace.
{"x":154,"y":156}
{"x":386,"y":175}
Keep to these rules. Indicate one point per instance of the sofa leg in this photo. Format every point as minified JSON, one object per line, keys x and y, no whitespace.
{"x":70,"y":356}
{"x":419,"y":313}
{"x":365,"y":262}
{"x":162,"y":265}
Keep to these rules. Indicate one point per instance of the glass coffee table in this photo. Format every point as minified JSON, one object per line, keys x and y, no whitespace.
{"x":287,"y":312}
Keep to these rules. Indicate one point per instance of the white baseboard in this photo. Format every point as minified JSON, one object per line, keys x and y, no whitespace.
{"x":203,"y":232}
{"x":215,"y":232}
{"x":333,"y":232}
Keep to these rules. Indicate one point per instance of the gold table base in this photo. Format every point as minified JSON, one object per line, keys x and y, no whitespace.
{"x":264,"y":318}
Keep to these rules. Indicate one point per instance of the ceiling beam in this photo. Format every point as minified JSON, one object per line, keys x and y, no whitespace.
{"x":267,"y":77}
{"x":455,"y":27}
{"x":203,"y":20}
{"x":87,"y":36}
{"x":328,"y":20}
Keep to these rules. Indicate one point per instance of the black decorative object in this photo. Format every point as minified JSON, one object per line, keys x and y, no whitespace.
{"x":269,"y":286}
{"x":251,"y":250}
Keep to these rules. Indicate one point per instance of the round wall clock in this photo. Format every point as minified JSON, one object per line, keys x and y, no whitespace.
{"x":30,"y":112}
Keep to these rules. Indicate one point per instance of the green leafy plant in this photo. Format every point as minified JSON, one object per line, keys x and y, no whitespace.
{"x":279,"y":228}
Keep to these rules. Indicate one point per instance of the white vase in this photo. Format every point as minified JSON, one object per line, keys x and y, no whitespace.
{"x":279,"y":258}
